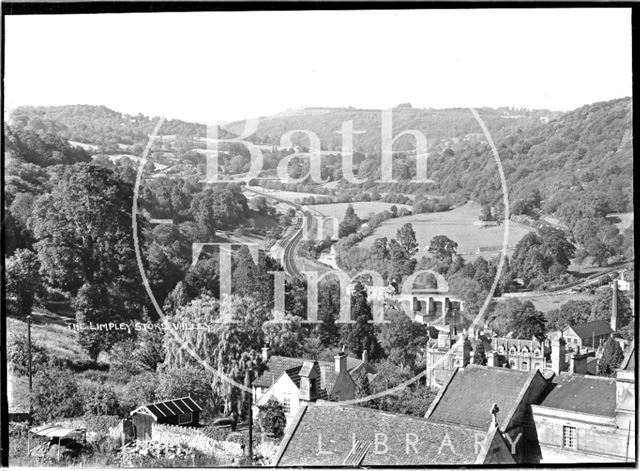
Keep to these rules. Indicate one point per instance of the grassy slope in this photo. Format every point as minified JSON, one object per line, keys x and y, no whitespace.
{"x":363,"y":209}
{"x":456,"y":224}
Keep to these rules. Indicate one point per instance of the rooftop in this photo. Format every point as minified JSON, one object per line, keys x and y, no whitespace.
{"x":586,"y":394}
{"x":322,"y":435}
{"x":276,"y":365}
{"x":590,"y":329}
{"x":471,"y":392}
{"x":169,"y":407}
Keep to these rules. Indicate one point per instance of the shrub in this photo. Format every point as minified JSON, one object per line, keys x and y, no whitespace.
{"x":55,"y":395}
{"x":18,"y":354}
{"x":272,"y":419}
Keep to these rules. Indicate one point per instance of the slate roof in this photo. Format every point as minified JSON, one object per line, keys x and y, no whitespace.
{"x":589,"y":329}
{"x":169,"y":408}
{"x":337,"y":428}
{"x":577,"y":393}
{"x":469,"y":395}
{"x":276,"y":365}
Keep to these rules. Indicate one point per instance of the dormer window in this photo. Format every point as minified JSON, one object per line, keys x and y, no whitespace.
{"x":512,"y":351}
{"x":525,"y":351}
{"x":500,"y":349}
{"x":536,"y":352}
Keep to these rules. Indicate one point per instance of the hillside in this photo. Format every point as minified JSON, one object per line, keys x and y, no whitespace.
{"x":100,"y":126}
{"x":436,"y":125}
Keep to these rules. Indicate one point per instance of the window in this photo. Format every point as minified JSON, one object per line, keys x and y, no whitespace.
{"x":536,"y":352}
{"x":185,"y":418}
{"x":286,"y":404}
{"x":525,"y":366}
{"x":512,"y":351}
{"x":568,"y":436}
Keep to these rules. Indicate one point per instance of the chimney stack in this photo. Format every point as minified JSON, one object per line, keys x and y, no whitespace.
{"x":365,"y":356}
{"x":340,"y":362}
{"x":614,"y":306}
{"x":265,"y":354}
{"x":558,"y":355}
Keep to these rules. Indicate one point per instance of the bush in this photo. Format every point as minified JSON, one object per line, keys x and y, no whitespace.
{"x":18,"y":354}
{"x":55,"y":395}
{"x":272,"y":419}
{"x":100,"y":399}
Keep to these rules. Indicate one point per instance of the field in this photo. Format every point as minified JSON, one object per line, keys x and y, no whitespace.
{"x":550,"y":301}
{"x":50,"y":331}
{"x":456,"y":224}
{"x":364,"y":209}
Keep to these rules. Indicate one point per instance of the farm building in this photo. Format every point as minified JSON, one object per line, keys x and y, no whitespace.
{"x":183,"y":411}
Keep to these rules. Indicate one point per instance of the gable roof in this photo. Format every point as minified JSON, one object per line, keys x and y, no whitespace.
{"x":321,"y":428}
{"x":276,"y":365}
{"x":469,"y":395}
{"x":168,"y":408}
{"x":586,"y":394}
{"x":589,"y":329}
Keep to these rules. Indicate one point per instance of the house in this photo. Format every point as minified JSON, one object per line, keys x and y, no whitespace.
{"x":587,"y":419}
{"x":472,"y":391}
{"x":519,"y":354}
{"x":295,"y":381}
{"x":587,"y":335}
{"x":183,"y":411}
{"x":444,"y":354}
{"x":328,"y":435}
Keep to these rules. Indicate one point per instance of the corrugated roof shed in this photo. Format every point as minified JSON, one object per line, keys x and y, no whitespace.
{"x":471,"y":392}
{"x":586,"y":394}
{"x":322,"y":435}
{"x":168,"y":408}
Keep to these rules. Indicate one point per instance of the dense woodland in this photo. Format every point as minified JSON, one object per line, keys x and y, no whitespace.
{"x":69,"y":239}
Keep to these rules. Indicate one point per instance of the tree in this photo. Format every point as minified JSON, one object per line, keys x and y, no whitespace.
{"x":479,"y":355}
{"x":486,"y":213}
{"x":363,"y":388}
{"x":612,"y":356}
{"x":229,"y":344}
{"x":350,"y":223}
{"x":520,"y":318}
{"x":55,"y":395}
{"x":23,"y":280}
{"x":272,"y":418}
{"x":574,"y":311}
{"x":407,"y":239}
{"x":443,"y":248}
{"x":360,"y":336}
{"x":402,"y":339}
{"x":285,"y":335}
{"x":84,"y":231}
{"x":328,"y":306}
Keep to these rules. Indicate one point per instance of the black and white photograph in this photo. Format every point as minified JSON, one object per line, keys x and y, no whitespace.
{"x":359,"y":236}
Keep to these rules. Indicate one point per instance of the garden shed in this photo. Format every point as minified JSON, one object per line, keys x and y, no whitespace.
{"x":183,"y":411}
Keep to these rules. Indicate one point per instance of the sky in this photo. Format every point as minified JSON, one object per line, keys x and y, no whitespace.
{"x":223,"y":66}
